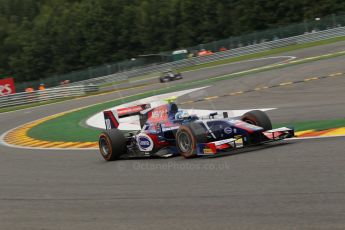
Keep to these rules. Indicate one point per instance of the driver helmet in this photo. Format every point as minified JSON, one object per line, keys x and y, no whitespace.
{"x":181,"y":114}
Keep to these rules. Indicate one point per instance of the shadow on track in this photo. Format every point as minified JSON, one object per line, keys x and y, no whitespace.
{"x":246,"y":150}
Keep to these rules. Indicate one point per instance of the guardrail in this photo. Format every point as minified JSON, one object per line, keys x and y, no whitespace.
{"x":46,"y":95}
{"x":251,"y":49}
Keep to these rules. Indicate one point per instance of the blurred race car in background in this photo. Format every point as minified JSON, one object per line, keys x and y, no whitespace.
{"x":167,"y":131}
{"x":170,"y":75}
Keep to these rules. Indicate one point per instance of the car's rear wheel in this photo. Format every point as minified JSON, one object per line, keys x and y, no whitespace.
{"x":258,"y":118}
{"x":187,"y":138}
{"x":112,"y":144}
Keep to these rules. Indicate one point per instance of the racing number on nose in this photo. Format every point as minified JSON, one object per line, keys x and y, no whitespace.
{"x":159,"y":113}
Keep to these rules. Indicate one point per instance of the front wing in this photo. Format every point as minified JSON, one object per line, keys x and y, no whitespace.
{"x":212,"y":148}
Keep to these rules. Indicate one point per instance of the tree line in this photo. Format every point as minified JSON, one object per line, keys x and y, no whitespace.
{"x":40,"y":38}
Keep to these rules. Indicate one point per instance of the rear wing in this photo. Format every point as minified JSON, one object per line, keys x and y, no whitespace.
{"x":112,"y":117}
{"x":132,"y":111}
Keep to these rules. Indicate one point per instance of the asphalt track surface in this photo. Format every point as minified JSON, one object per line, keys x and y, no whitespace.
{"x":307,"y":101}
{"x":297,"y":184}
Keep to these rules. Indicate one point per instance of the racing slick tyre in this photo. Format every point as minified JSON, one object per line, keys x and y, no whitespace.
{"x":112,"y":144}
{"x":188,"y":136}
{"x":258,"y":118}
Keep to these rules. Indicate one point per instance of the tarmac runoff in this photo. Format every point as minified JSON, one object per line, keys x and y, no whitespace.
{"x":18,"y":137}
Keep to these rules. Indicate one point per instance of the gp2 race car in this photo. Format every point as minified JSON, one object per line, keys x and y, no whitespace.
{"x":170,"y":75}
{"x":167,"y":131}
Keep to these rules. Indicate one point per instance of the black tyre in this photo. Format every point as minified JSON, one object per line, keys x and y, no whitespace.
{"x":188,"y":136}
{"x":258,"y":118}
{"x":112,"y":144}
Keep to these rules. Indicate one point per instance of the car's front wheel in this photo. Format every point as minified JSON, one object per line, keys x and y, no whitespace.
{"x":258,"y":118}
{"x":187,"y":138}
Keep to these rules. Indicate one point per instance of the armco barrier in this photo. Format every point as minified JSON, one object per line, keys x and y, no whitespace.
{"x":45,"y":95}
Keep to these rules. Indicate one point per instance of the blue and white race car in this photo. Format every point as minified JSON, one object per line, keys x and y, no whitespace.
{"x":170,"y":75}
{"x":167,"y":131}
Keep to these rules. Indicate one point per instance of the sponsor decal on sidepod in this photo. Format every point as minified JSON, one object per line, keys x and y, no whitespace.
{"x":145,"y":143}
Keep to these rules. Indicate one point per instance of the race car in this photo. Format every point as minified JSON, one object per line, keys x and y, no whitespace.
{"x":167,"y":130}
{"x":170,"y":75}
